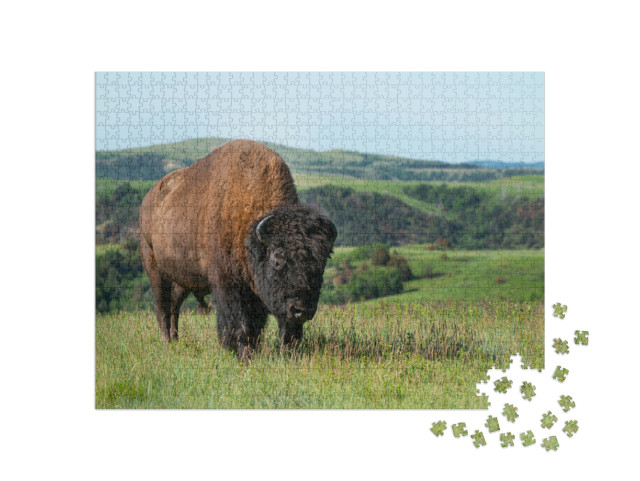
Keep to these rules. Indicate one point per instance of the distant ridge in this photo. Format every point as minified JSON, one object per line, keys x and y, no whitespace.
{"x":153,"y":162}
{"x":497,"y":164}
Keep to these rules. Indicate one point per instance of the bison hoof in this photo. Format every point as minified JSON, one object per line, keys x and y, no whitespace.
{"x":244,"y":353}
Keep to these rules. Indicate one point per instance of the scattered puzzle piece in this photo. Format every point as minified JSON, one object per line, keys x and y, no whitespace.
{"x":507,"y":439}
{"x":582,"y":337}
{"x":550,"y":443}
{"x":548,"y":420}
{"x":510,"y":412}
{"x":439,"y":427}
{"x":528,"y":390}
{"x":492,"y":424}
{"x":567,"y":403}
{"x":478,"y":439}
{"x":459,"y":430}
{"x":527,"y":438}
{"x":561,"y":347}
{"x":502,"y":385}
{"x":561,"y":374}
{"x":559,"y":310}
{"x":570,"y":427}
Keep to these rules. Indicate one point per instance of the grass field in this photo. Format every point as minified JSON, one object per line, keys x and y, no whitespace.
{"x":417,"y":355}
{"x":517,"y":275}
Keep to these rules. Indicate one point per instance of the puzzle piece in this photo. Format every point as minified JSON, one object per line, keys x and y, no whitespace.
{"x":567,"y":403}
{"x":582,"y":337}
{"x":507,"y":439}
{"x":559,"y":310}
{"x":570,"y":427}
{"x":502,"y":385}
{"x":459,"y":430}
{"x":561,"y":347}
{"x":527,"y":438}
{"x":528,"y":390}
{"x":548,"y":420}
{"x":478,"y":439}
{"x":560,"y":374}
{"x":492,"y":424}
{"x":439,"y":428}
{"x":510,"y":412}
{"x":550,"y":443}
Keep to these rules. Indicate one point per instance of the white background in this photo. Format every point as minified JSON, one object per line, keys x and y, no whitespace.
{"x":50,"y":53}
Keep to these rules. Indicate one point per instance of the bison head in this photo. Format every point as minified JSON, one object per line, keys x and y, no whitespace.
{"x":288,"y":250}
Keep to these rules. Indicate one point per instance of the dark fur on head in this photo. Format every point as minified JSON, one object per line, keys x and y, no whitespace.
{"x":287,"y":259}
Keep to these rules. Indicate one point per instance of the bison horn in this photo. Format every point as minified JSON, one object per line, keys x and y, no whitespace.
{"x":261,"y":230}
{"x":335,"y":230}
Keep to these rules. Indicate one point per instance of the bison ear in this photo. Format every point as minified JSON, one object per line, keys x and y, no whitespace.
{"x":262,"y":230}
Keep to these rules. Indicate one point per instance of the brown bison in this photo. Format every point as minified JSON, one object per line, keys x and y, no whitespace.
{"x":231,"y":224}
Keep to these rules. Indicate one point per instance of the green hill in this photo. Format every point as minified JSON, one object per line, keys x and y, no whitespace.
{"x":152,"y":163}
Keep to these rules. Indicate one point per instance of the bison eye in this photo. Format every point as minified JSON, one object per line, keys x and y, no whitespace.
{"x":277,"y":262}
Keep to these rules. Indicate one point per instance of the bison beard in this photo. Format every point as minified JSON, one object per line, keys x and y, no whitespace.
{"x":231,"y":223}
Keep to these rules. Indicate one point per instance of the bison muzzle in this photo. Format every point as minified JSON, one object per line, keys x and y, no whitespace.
{"x":232,"y":224}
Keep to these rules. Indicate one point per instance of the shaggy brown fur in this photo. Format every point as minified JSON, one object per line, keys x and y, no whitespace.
{"x":197,"y":234}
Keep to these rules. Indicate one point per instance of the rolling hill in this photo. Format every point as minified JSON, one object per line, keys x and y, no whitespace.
{"x":152,"y":163}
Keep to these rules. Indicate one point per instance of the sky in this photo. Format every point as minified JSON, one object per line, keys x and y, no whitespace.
{"x":454,"y":117}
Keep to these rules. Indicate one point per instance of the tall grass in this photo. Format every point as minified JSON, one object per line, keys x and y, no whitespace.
{"x":387,"y":355}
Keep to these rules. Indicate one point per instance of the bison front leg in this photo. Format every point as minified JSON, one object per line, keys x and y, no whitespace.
{"x":290,"y":333}
{"x":241,"y":317}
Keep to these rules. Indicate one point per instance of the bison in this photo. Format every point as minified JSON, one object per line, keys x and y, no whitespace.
{"x":231,"y":224}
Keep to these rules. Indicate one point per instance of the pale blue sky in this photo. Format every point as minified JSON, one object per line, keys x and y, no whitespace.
{"x":454,"y":117}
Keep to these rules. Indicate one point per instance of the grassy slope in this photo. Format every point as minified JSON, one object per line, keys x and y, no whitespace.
{"x":517,"y":275}
{"x":391,"y":355}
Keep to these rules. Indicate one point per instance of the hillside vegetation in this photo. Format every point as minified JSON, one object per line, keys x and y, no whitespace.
{"x":152,"y":163}
{"x":452,"y":217}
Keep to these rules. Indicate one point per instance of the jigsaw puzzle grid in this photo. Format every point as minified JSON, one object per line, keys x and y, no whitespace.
{"x":435,"y":182}
{"x":452,"y":117}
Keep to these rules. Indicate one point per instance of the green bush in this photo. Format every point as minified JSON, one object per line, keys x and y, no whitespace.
{"x":369,"y":284}
{"x":380,"y":256}
{"x":365,"y":252}
{"x":399,"y":262}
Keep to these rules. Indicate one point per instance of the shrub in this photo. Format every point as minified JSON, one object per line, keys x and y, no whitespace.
{"x":365,"y":252}
{"x":443,"y":243}
{"x":427,"y":270}
{"x":399,"y":262}
{"x":380,"y":256}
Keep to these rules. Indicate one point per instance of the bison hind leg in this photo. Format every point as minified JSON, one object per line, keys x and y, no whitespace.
{"x":203,"y":307}
{"x":168,"y":299}
{"x":168,"y":296}
{"x":178,"y":295}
